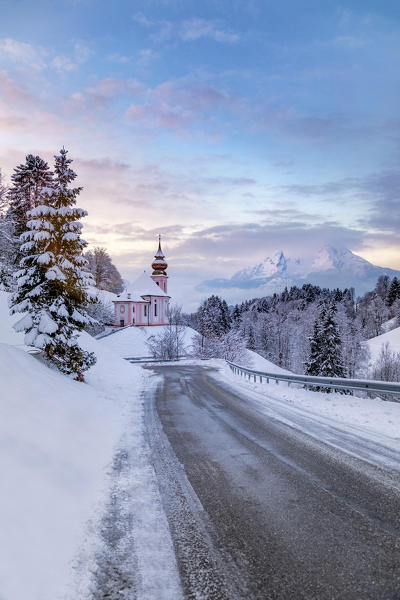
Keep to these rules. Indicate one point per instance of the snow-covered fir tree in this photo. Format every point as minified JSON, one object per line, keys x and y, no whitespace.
{"x":331,"y":359}
{"x":31,"y":183}
{"x":53,"y":278}
{"x":313,"y":364}
{"x":213,"y":317}
{"x":393,"y":292}
{"x":326,"y":358}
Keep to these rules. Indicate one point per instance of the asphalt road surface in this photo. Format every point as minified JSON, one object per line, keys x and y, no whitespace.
{"x":259,"y":509}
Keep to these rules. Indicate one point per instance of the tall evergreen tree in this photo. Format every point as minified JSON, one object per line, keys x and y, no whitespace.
{"x":313,"y":364}
{"x":213,"y":317}
{"x":325,"y":358}
{"x":31,"y":183}
{"x":394,"y":292}
{"x":382,"y":286}
{"x":236,"y":316}
{"x":225,"y":316}
{"x":52,"y":280}
{"x":331,"y":360}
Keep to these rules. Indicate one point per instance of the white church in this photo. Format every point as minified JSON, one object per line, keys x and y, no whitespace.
{"x":146,"y":301}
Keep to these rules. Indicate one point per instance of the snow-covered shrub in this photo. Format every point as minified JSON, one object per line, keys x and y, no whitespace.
{"x":169,"y":343}
{"x":229,"y":346}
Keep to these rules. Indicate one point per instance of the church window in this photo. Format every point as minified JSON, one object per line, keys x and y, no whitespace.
{"x":145,"y":310}
{"x":155,"y":308}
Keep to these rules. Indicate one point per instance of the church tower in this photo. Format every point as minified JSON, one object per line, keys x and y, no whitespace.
{"x":159,"y":266}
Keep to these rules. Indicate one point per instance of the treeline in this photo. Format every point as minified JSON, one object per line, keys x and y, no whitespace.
{"x":290,"y":328}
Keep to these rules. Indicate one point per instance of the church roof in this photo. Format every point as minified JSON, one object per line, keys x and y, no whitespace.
{"x":143,"y":286}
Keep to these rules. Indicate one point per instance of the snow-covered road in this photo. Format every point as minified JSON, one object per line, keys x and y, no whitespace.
{"x":266,"y":501}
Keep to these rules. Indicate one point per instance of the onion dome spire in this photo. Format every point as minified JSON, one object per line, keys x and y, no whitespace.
{"x":159,"y":265}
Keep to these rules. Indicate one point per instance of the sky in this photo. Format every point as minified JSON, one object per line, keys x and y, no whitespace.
{"x":235,"y":128}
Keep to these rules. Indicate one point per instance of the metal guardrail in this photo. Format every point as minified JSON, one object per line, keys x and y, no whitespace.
{"x":309,"y":381}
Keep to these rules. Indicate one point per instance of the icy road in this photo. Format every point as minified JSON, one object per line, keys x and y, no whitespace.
{"x":266,"y":505}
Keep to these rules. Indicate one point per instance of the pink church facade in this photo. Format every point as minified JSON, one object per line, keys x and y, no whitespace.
{"x":146,"y":302}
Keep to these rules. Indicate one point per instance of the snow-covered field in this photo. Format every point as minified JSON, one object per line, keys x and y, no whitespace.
{"x":131,"y":341}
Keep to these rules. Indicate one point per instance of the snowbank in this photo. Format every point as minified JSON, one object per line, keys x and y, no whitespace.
{"x":57,"y":439}
{"x":375,"y":344}
{"x":130,"y":342}
{"x":58,"y":442}
{"x":259,"y":363}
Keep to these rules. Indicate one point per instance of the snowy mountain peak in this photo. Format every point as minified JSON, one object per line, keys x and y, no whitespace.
{"x":329,"y":267}
{"x":329,"y":257}
{"x":273,"y":265}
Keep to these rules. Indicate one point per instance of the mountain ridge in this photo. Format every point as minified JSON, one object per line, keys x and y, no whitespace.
{"x":332,"y":267}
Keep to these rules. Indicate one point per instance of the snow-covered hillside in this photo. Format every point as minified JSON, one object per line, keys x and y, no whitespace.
{"x":102,"y":296}
{"x":329,"y":267}
{"x":259,"y":363}
{"x":391,"y":337}
{"x":57,"y":438}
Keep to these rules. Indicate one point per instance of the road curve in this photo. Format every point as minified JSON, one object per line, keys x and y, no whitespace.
{"x":260,"y":510}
